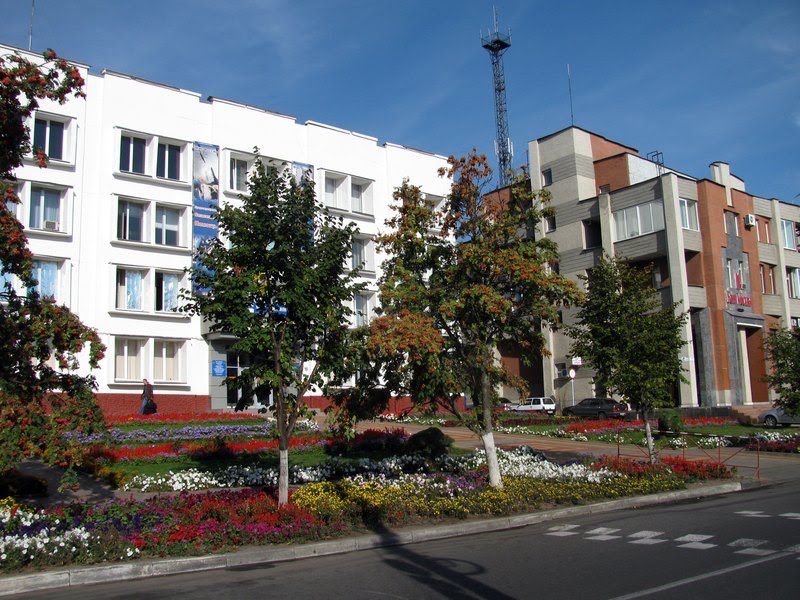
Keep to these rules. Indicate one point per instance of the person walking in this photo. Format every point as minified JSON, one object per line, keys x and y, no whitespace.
{"x":147,"y":398}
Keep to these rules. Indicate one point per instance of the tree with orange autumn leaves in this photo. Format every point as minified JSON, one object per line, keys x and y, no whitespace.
{"x":459,"y":282}
{"x":41,"y":393}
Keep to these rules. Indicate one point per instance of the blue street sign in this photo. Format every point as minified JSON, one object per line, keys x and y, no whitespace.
{"x":218,"y":368}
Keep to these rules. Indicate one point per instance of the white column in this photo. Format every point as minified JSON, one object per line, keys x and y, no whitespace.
{"x":744,"y":366}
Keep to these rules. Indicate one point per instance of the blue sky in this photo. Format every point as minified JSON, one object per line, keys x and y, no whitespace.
{"x":698,"y":80}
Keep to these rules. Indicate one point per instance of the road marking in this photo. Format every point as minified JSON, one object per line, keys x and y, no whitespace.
{"x":752,"y":513}
{"x":751,"y":547}
{"x":695,"y":541}
{"x":688,"y":580}
{"x":563,"y":530}
{"x":795,"y":516}
{"x":647,"y":537}
{"x":602,"y":534}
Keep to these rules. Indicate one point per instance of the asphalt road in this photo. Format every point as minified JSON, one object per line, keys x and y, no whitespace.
{"x":737,"y":546}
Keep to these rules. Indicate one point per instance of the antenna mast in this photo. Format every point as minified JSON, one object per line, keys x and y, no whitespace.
{"x":496,"y":44}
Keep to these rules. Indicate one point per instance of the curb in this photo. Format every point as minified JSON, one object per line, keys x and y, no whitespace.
{"x":73,"y":576}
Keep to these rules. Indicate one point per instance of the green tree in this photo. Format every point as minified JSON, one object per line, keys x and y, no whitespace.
{"x":625,"y":334}
{"x":457,"y":283}
{"x":41,"y":393}
{"x":783,"y":351}
{"x":276,"y":280}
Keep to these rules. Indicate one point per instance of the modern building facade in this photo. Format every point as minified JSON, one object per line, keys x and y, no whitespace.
{"x":729,"y":258}
{"x":135,"y":170}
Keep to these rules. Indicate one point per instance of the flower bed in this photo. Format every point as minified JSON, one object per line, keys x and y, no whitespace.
{"x":772,"y":441}
{"x":386,"y":492}
{"x":203,"y":450}
{"x":181,"y":418}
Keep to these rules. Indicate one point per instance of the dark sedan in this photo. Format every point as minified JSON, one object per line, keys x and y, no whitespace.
{"x":597,"y":408}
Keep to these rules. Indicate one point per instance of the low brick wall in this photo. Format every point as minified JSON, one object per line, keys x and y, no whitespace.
{"x":129,"y":404}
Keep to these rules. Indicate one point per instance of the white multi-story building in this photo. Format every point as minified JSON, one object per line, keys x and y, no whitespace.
{"x":113,"y":219}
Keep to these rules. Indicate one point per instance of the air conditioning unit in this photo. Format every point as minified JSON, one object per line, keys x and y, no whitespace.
{"x":51,"y":225}
{"x":749,"y":220}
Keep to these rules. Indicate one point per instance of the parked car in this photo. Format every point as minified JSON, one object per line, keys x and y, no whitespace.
{"x":598,"y":408}
{"x":776,"y":416}
{"x":541,"y":404}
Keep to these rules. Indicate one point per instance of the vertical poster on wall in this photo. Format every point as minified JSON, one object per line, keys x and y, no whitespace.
{"x":205,"y":192}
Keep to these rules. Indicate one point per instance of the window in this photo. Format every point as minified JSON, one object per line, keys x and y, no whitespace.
{"x":550,"y":224}
{"x":362,"y":255}
{"x":766,"y":238}
{"x":128,"y":359}
{"x":333,"y":192}
{"x":45,"y":272}
{"x":592,"y":234}
{"x":166,"y":360}
{"x":639,"y":220}
{"x":793,"y":282}
{"x":129,"y":289}
{"x":167,"y":226}
{"x":49,"y":136}
{"x":763,"y":276}
{"x":167,"y":285}
{"x":547,"y":177}
{"x":240,"y":168}
{"x":45,"y":209}
{"x":794,"y":322}
{"x":364,"y":305}
{"x":359,"y":254}
{"x":131,"y":154}
{"x":788,"y":230}
{"x":130,"y":219}
{"x":357,"y":197}
{"x":729,"y":272}
{"x":689,"y":219}
{"x":168,"y":161}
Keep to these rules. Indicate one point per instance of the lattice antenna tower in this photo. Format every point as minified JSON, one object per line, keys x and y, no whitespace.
{"x":497,"y":43}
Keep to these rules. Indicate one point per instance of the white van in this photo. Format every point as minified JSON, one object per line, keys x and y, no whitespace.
{"x":541,"y":404}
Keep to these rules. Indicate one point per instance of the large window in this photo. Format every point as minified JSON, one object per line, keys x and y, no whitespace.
{"x":167,"y":226}
{"x":128,"y":359}
{"x":45,"y":272}
{"x":789,"y":237}
{"x":639,"y":220}
{"x":689,"y":218}
{"x":167,"y":360}
{"x":130,"y":283}
{"x":48,"y":135}
{"x":130,"y":221}
{"x":168,"y":161}
{"x":167,"y":285}
{"x":150,"y":222}
{"x":348,"y":193}
{"x":45,"y":209}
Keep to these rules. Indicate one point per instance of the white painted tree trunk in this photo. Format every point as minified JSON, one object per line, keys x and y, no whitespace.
{"x":283,"y":476}
{"x":649,"y":435}
{"x":491,"y":460}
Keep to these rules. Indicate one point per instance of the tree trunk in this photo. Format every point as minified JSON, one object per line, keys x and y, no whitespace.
{"x":488,"y":435}
{"x":491,"y":460}
{"x":649,"y":435}
{"x":283,"y":475}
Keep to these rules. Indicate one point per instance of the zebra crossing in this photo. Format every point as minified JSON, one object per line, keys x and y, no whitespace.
{"x":690,"y":541}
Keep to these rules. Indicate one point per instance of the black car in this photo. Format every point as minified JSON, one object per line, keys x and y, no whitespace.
{"x":597,"y":408}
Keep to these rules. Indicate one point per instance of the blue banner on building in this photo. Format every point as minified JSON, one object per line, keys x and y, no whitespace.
{"x":205,"y":192}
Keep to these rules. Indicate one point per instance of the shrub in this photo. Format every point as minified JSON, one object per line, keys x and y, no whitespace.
{"x":670,"y":420}
{"x":430,"y":443}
